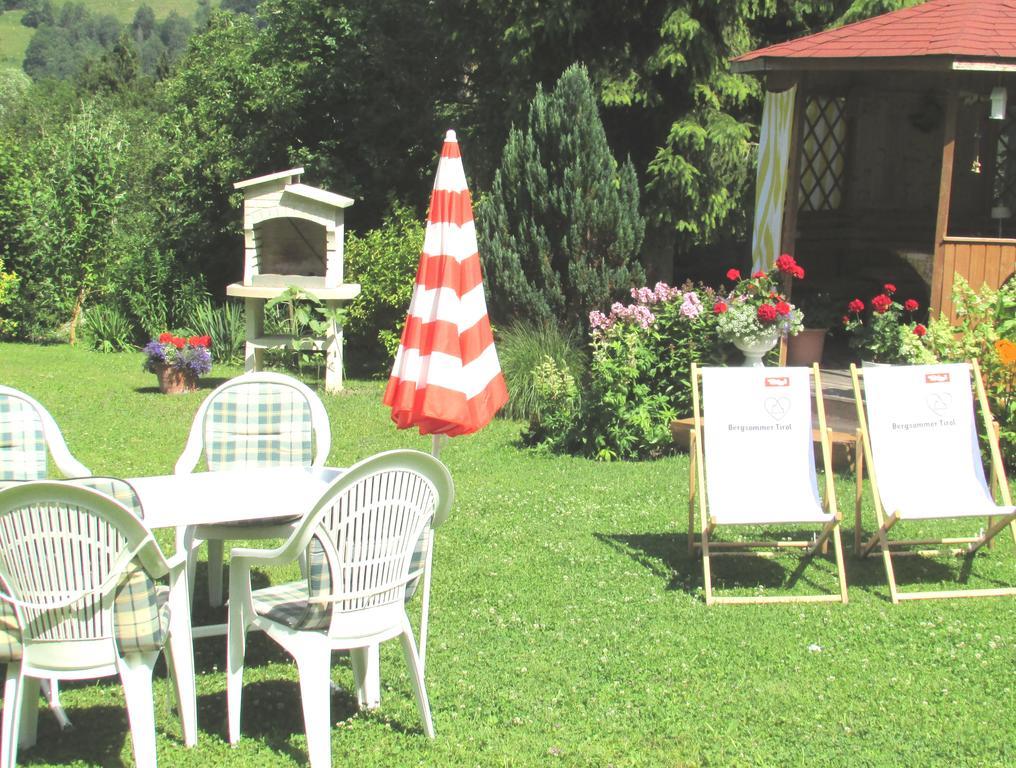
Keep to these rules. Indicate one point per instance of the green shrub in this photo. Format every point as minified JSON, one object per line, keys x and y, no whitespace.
{"x":983,"y":321}
{"x":638,"y":377}
{"x":384,"y":262}
{"x":107,"y":329}
{"x":226,"y":325}
{"x":560,"y":228}
{"x":8,"y":289}
{"x":556,"y":405}
{"x":523,"y":350}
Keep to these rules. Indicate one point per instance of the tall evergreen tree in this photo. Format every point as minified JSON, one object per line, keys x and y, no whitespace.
{"x":560,"y":229}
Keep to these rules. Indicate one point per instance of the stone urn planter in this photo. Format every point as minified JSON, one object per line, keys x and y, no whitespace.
{"x":175,"y":381}
{"x":754,"y":351}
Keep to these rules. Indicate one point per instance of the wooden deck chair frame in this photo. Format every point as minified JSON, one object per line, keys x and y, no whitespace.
{"x":880,"y":539}
{"x":709,"y":548}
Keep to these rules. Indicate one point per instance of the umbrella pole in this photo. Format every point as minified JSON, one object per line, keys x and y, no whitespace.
{"x":436,"y":441}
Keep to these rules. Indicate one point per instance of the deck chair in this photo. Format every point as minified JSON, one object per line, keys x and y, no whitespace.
{"x":28,"y":437}
{"x":78,"y":570}
{"x":366,"y":526}
{"x":753,"y":464}
{"x":924,"y":462}
{"x":254,"y":420}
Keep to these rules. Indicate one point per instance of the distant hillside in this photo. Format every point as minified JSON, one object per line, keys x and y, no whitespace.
{"x":14,"y":37}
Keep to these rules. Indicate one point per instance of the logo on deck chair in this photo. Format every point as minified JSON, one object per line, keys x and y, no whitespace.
{"x":777,"y":381}
{"x":939,"y":403}
{"x":777,"y":407}
{"x":936,"y":378}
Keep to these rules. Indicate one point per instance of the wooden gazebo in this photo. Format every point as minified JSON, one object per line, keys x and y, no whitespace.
{"x":890,"y":144}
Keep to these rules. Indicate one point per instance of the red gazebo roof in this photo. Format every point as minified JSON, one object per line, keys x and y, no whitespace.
{"x":946,"y":29}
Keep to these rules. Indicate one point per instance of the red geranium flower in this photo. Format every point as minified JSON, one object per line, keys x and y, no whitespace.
{"x":766,"y":313}
{"x":881,"y":303}
{"x":920,"y":330}
{"x":720,"y":307}
{"x":889,"y":288}
{"x":733,"y":274}
{"x":760,"y":273}
{"x":844,"y":319}
{"x":177,"y":342}
{"x":856,"y":305}
{"x":910,"y":305}
{"x":786,"y":263}
{"x":782,"y":308}
{"x":797,"y":272}
{"x":165,"y":338}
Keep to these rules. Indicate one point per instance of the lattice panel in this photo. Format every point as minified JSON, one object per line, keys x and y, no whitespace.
{"x":823,"y":153}
{"x":1003,"y":184}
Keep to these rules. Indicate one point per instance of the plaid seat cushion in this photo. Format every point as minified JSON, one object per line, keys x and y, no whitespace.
{"x":258,"y":425}
{"x":290,"y":604}
{"x":10,"y":634}
{"x":140,"y":613}
{"x":140,"y":618}
{"x":22,"y":441}
{"x":115,"y":488}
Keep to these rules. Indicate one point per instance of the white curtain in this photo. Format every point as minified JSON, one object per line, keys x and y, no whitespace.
{"x":771,"y":182}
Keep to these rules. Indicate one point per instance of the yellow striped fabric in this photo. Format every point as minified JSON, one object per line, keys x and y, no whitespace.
{"x":771,"y":182}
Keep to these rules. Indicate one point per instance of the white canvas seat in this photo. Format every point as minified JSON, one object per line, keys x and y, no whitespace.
{"x":753,"y":463}
{"x":920,"y":440}
{"x":78,"y":571}
{"x":254,"y":420}
{"x":367,"y":525}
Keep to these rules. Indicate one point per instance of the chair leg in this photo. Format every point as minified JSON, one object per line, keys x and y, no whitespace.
{"x":215,"y":547}
{"x":136,"y":676}
{"x":180,"y":667}
{"x":235,"y":649}
{"x":29,"y":719}
{"x":366,"y":664}
{"x":314,"y":661}
{"x":13,"y":692}
{"x":51,"y":690}
{"x":416,"y":677}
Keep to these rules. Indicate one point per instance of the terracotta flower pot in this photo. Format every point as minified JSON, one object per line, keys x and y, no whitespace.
{"x":175,"y":381}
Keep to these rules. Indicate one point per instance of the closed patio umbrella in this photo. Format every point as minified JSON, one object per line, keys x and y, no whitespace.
{"x":447,"y":379}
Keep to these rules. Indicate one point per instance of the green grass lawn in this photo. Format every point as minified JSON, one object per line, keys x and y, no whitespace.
{"x":14,"y":37}
{"x":568,"y":625}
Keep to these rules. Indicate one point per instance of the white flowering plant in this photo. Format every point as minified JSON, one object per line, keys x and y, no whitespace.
{"x":756,"y":308}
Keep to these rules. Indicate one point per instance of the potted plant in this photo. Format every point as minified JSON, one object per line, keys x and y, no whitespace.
{"x":820,"y":314}
{"x":756,"y":313}
{"x":178,"y":362}
{"x":885,"y":330}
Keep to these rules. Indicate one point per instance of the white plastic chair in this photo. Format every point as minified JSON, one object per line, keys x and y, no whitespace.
{"x":254,"y":420}
{"x":77,"y":567}
{"x":27,"y":431}
{"x":753,"y":464}
{"x":364,"y":529}
{"x":924,"y":461}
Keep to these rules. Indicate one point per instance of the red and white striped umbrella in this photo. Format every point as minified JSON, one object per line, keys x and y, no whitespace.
{"x":447,"y":379}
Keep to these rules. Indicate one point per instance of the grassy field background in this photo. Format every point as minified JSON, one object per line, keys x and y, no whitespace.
{"x":568,"y":625}
{"x":14,"y":37}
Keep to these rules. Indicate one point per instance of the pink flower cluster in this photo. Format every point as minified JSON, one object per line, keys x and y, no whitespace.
{"x":649,"y":296}
{"x":640,"y":312}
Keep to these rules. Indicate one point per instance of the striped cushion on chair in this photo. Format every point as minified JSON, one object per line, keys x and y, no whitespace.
{"x":22,"y":441}
{"x":258,"y":425}
{"x":290,"y":604}
{"x":115,"y":488}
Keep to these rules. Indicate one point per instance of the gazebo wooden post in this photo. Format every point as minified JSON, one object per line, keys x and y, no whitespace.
{"x":941,"y":294}
{"x":791,"y":201}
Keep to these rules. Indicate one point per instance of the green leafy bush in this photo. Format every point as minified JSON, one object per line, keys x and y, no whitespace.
{"x":384,"y":262}
{"x":983,"y":330}
{"x":225,"y":324}
{"x":523,"y":350}
{"x":556,"y":401}
{"x":106,"y":329}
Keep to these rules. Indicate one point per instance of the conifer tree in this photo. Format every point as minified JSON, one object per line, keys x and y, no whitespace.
{"x":560,"y":229}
